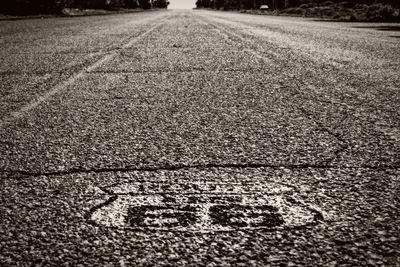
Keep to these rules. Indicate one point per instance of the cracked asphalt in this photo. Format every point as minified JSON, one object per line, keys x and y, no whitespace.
{"x":199,"y":138}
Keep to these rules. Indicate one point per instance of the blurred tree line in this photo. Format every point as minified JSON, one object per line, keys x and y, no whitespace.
{"x":282,"y":4}
{"x":28,"y":7}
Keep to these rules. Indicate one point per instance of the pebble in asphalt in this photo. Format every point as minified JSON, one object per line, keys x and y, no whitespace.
{"x":198,"y":137}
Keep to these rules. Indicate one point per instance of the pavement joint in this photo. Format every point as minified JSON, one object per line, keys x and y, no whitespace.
{"x":58,"y":52}
{"x":5,"y":73}
{"x":205,"y":166}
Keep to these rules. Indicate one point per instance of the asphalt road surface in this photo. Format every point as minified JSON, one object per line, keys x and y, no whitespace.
{"x":199,"y":138}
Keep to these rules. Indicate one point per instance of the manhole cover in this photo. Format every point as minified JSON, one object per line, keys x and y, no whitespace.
{"x":202,"y":206}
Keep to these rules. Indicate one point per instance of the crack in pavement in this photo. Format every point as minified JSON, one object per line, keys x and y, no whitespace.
{"x":343,"y":144}
{"x":200,"y":166}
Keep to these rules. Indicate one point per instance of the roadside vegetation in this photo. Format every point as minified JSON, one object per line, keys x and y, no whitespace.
{"x":351,"y":10}
{"x":32,"y":7}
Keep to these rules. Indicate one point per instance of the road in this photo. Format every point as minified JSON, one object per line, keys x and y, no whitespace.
{"x":199,"y":137}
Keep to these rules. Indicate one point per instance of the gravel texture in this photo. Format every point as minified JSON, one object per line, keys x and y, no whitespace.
{"x":198,"y":138}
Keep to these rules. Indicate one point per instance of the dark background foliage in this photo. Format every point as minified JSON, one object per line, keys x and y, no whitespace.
{"x":30,"y":7}
{"x":351,"y":10}
{"x":280,"y":4}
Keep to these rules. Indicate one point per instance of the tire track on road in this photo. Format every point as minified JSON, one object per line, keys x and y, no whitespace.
{"x":76,"y":76}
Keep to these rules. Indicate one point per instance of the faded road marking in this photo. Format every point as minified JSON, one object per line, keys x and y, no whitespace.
{"x":63,"y":85}
{"x":202,"y":207}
